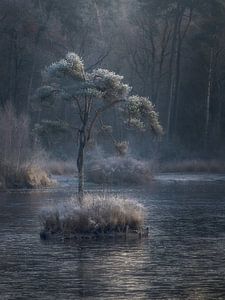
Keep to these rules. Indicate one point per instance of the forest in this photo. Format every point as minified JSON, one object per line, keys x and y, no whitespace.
{"x":170,"y":51}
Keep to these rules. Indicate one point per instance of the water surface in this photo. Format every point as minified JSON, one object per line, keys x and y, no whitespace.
{"x":183,"y":258}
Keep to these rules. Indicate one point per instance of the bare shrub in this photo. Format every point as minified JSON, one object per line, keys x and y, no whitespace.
{"x":26,"y":177}
{"x":14,"y":132}
{"x":20,"y":167}
{"x":119,"y":170}
{"x":99,"y":214}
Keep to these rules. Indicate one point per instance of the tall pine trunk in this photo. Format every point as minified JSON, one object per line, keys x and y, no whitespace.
{"x":80,"y":167}
{"x":171,"y":78}
{"x":208,"y":100}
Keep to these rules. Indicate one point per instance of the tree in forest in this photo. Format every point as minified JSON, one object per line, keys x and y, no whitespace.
{"x":209,"y":40}
{"x":92,"y":96}
{"x":162,"y":30}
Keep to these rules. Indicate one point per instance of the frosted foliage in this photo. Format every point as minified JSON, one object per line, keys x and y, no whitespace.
{"x":72,"y":66}
{"x":95,"y":94}
{"x":49,"y":93}
{"x":110,"y":84}
{"x":140,"y":109}
{"x":137,"y":123}
{"x":92,"y":92}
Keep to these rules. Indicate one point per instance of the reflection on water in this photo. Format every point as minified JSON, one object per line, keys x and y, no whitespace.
{"x":179,"y":177}
{"x":184,"y":257}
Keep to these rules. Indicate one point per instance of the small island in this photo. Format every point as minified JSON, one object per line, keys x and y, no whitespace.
{"x":98,"y":217}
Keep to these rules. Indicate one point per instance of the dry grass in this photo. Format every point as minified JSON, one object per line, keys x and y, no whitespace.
{"x":30,"y":176}
{"x":99,"y":214}
{"x":36,"y":177}
{"x":14,"y":135}
{"x":21,"y":164}
{"x":119,"y":170}
{"x":198,"y":165}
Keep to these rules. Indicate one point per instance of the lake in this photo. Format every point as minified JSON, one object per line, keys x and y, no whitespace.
{"x":183,"y":258}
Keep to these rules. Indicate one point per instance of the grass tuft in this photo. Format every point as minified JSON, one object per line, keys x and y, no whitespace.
{"x":99,"y":214}
{"x":26,"y":176}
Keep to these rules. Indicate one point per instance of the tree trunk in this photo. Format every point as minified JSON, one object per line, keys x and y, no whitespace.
{"x":30,"y":85}
{"x":208,"y":100}
{"x":80,"y":167}
{"x":174,"y":66}
{"x":181,"y":34}
{"x":163,"y":46}
{"x":171,"y":77}
{"x":177,"y":85}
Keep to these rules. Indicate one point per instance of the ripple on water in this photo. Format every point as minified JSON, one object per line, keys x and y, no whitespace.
{"x":183,"y":258}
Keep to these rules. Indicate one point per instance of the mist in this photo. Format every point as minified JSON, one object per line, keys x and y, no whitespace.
{"x":112,"y":138}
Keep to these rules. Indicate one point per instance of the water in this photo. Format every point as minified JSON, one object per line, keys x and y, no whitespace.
{"x":183,"y":258}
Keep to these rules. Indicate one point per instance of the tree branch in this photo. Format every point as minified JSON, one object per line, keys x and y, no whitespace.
{"x":79,"y":108}
{"x":99,"y":61}
{"x":98,"y":113}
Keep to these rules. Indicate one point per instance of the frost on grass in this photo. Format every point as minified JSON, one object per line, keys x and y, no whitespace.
{"x":26,"y":176}
{"x":21,"y":163}
{"x":119,"y":170}
{"x":99,"y":214}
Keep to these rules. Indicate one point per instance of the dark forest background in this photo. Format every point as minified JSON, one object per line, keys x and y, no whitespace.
{"x":172,"y":51}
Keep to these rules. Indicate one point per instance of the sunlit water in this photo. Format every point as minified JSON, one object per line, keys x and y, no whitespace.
{"x":183,"y":258}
